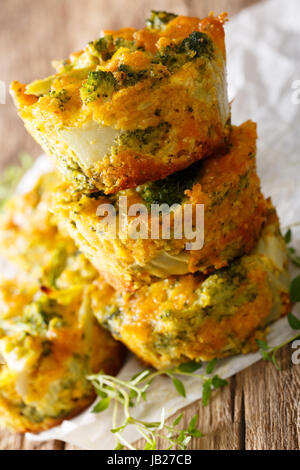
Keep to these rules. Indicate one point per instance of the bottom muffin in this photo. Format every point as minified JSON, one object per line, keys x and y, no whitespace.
{"x":192,"y":317}
{"x":49,"y":343}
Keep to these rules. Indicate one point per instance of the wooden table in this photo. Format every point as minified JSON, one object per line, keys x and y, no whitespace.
{"x":259,"y":409}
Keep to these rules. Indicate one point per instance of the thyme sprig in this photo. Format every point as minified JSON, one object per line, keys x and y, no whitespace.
{"x":128,"y":394}
{"x":267,"y":352}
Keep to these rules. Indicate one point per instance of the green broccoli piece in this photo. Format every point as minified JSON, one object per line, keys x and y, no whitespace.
{"x":197,"y":44}
{"x":194,"y":46}
{"x":105,"y":47}
{"x":130,"y":77}
{"x":170,"y":190}
{"x":99,"y":84}
{"x":121,"y":42}
{"x":39,"y":314}
{"x":170,"y":58}
{"x":61,"y":96}
{"x":147,"y":140}
{"x":159,"y":19}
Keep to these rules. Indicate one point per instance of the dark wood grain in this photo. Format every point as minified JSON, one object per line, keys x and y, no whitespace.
{"x":259,"y":409}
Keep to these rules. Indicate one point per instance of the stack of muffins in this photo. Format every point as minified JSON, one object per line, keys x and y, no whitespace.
{"x":138,"y":125}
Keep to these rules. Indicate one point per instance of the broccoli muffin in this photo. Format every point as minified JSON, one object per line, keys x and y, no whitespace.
{"x":234,"y":211}
{"x":135,"y":105}
{"x":190,"y":317}
{"x":49,"y":343}
{"x":49,"y":339}
{"x":29,"y":236}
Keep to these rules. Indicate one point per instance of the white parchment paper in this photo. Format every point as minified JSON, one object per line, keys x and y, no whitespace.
{"x":263,"y":49}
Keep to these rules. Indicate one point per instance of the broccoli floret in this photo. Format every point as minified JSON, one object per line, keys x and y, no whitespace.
{"x":61,"y":96}
{"x":121,"y":42}
{"x":197,"y":44}
{"x":170,"y":58}
{"x":38,"y":316}
{"x":159,"y":19}
{"x":194,"y":46}
{"x":130,"y":77}
{"x":105,"y":47}
{"x":147,"y":140}
{"x":127,"y":76}
{"x":99,"y":84}
{"x":170,"y":190}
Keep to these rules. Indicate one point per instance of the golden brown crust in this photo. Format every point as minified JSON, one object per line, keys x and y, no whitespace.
{"x":133,"y":169}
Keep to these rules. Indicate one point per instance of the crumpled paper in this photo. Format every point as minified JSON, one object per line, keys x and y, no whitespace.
{"x":263,"y":50}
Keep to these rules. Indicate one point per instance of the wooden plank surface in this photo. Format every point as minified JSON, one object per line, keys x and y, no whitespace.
{"x":259,"y":409}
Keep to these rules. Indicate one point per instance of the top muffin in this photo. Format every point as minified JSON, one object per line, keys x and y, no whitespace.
{"x":134,"y":105}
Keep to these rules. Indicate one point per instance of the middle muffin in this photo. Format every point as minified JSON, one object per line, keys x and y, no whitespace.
{"x":227,"y":186}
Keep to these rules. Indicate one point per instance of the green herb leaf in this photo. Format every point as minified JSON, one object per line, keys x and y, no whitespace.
{"x":218,"y":382}
{"x":101,"y":405}
{"x":119,"y":446}
{"x":211,"y":366}
{"x":132,"y":394}
{"x":179,"y":386}
{"x":193,"y":424}
{"x":295,"y":290}
{"x":189,"y":366}
{"x":291,"y":251}
{"x":262,"y":344}
{"x":100,"y":393}
{"x":150,"y":446}
{"x":143,"y":373}
{"x":196,"y":433}
{"x":288,"y":236}
{"x":206,"y":392}
{"x":294,"y":322}
{"x":264,"y":349}
{"x":178,"y":419}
